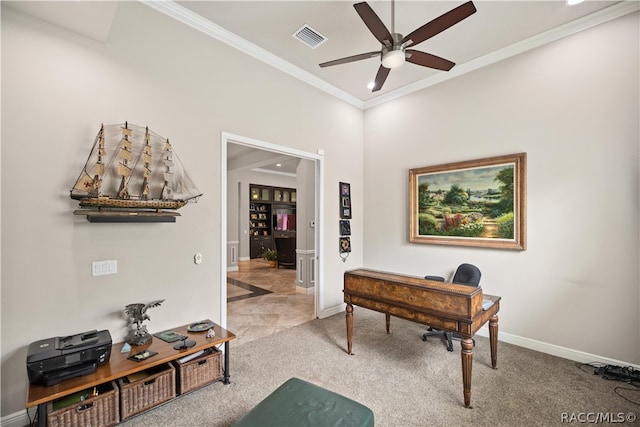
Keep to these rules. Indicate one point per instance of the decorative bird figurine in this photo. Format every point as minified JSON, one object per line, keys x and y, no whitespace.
{"x":137,"y":313}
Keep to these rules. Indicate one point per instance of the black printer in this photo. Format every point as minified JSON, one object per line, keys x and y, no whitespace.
{"x":53,"y":360}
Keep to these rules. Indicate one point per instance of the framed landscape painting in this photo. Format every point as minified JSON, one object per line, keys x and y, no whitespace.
{"x":472,"y":203}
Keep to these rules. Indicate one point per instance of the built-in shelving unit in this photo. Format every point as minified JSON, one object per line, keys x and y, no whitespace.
{"x":272,"y":213}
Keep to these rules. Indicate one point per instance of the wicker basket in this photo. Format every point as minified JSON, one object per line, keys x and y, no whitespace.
{"x":156,"y":388}
{"x":99,"y":411}
{"x":200,"y":371}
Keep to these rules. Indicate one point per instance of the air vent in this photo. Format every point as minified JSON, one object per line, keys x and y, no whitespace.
{"x":309,"y":36}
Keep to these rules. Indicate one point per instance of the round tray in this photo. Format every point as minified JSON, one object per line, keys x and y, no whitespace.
{"x":200,"y":326}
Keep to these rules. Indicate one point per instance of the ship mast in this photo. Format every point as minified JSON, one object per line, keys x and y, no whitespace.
{"x":167,"y":191}
{"x":97,"y":180}
{"x":146,"y":170}
{"x":125,"y":157}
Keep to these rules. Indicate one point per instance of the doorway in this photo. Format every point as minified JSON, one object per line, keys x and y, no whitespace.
{"x":268,"y":284}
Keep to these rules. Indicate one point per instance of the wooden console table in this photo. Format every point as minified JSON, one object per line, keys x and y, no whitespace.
{"x":446,"y":306}
{"x":120,"y":366}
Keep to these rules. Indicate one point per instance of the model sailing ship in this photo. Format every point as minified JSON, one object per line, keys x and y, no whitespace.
{"x":131,"y":168}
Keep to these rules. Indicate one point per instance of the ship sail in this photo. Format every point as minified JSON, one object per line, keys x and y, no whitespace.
{"x":84,"y":183}
{"x":131,"y":167}
{"x":124,"y":170}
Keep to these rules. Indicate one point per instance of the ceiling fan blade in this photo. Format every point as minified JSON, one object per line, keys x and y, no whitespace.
{"x":440,"y":24}
{"x":428,"y":60}
{"x":373,"y":22}
{"x":351,"y":59}
{"x":380,"y":78}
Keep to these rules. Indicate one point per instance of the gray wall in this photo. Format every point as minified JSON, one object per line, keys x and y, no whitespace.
{"x":573,"y":107}
{"x":57,"y":88}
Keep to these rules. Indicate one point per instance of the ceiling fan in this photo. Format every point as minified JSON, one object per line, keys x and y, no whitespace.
{"x":394,"y":52}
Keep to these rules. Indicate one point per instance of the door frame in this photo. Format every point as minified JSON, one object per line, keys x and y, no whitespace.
{"x":227,"y":138}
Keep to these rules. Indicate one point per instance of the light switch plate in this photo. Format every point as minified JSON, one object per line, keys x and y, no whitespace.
{"x":102,"y":268}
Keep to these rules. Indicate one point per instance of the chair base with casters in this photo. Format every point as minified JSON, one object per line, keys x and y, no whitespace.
{"x":466,"y":274}
{"x":447,"y":336}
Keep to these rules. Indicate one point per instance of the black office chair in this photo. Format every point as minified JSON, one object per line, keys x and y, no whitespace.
{"x":286,"y":249}
{"x":466,"y":274}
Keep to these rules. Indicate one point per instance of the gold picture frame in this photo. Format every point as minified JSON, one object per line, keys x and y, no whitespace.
{"x":478,"y":203}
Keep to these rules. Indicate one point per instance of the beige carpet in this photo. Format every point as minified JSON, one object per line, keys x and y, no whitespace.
{"x":405,"y":381}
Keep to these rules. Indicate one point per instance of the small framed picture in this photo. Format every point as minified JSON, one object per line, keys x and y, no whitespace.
{"x":345,"y":245}
{"x":345,"y":227}
{"x":345,"y":189}
{"x":345,"y":200}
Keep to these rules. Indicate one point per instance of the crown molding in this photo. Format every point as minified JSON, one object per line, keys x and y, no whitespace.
{"x":270,"y":171}
{"x":184,"y":15}
{"x":197,"y":22}
{"x":612,"y":12}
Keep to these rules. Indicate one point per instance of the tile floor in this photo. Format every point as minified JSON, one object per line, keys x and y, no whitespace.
{"x":262,"y":300}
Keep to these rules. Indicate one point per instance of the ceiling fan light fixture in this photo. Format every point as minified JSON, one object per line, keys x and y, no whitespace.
{"x":393,"y":58}
{"x":392,"y":45}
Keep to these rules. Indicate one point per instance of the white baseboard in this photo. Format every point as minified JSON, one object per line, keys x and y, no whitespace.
{"x":305,"y":291}
{"x":236,"y":268}
{"x":18,"y":419}
{"x":554,"y":350}
{"x":331,"y":311}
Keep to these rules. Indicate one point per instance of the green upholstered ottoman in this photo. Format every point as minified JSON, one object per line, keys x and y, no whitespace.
{"x":298,"y":403}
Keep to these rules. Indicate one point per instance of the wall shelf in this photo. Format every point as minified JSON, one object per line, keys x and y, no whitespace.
{"x":98,"y":216}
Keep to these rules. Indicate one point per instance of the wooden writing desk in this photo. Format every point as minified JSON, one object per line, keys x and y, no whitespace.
{"x":450,"y":307}
{"x":120,"y":366}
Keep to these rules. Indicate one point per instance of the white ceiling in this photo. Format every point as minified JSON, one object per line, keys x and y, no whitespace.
{"x":495,"y":27}
{"x":264,"y":29}
{"x":240,"y":157}
{"x":88,"y":18}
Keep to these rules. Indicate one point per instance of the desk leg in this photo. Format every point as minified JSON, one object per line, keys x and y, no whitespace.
{"x":467,"y":364}
{"x":493,"y":339}
{"x":387,"y":318}
{"x":42,"y":415}
{"x":226,"y":363}
{"x":349,"y":312}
